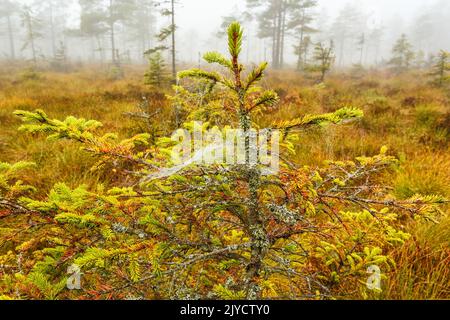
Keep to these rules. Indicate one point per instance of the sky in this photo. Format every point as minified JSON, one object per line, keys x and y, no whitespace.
{"x":204,"y":15}
{"x":199,"y":18}
{"x":201,"y":14}
{"x":198,"y":22}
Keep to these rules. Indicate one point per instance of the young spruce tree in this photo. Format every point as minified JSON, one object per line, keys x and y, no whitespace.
{"x":324,"y":59}
{"x":402,"y":55}
{"x":156,"y":74}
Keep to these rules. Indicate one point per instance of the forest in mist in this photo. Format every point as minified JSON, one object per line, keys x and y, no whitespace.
{"x":363,"y":32}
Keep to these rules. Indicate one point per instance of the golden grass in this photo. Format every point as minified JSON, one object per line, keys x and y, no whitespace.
{"x":422,"y":271}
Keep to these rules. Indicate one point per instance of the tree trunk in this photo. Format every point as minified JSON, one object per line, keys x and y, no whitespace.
{"x":341,"y":56}
{"x":248,"y":45}
{"x":362,"y":53}
{"x":283,"y":33}
{"x":278,"y":41}
{"x":111,"y":26}
{"x":141,"y":56}
{"x":113,"y":43}
{"x":377,"y":52}
{"x":52,"y":31}
{"x":305,"y":53}
{"x":274,"y":42}
{"x":300,"y":55}
{"x":361,"y":57}
{"x":33,"y":49}
{"x":174,"y":66}
{"x":255,"y":223}
{"x":100,"y":49}
{"x":31,"y":38}
{"x":11,"y":39}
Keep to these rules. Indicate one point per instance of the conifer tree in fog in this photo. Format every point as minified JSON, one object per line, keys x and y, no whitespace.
{"x":168,"y":33}
{"x":156,"y":74}
{"x":441,"y":68}
{"x":33,"y":27}
{"x":420,"y":61}
{"x":118,"y":11}
{"x":7,"y":10}
{"x":273,"y":22}
{"x":140,"y":25}
{"x":102,"y":17}
{"x":92,"y":23}
{"x":402,"y":54}
{"x":302,"y":53}
{"x":60,"y":58}
{"x":346,"y":29}
{"x":300,"y":22}
{"x":54,"y":13}
{"x":361,"y":43}
{"x":323,"y":58}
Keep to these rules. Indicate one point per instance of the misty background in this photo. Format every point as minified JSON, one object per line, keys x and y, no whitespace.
{"x":362,"y":31}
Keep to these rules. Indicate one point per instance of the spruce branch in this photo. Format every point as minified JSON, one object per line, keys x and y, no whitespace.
{"x":256,"y":75}
{"x":341,"y":115}
{"x":216,"y":57}
{"x":268,"y":98}
{"x":201,"y":74}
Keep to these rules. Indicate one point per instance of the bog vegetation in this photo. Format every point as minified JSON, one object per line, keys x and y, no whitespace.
{"x":363,"y":183}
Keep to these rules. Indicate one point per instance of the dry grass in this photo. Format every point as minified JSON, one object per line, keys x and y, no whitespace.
{"x":422,"y":271}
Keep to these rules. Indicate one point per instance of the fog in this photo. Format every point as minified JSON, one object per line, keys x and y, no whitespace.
{"x":81,"y":32}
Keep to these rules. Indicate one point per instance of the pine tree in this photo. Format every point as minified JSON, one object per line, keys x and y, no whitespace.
{"x":402,"y":54}
{"x":32,"y":26}
{"x":156,"y":74}
{"x":361,"y":43}
{"x":7,"y":10}
{"x":347,"y":27}
{"x":141,"y":25}
{"x":273,"y":24}
{"x":99,"y":17}
{"x":300,"y":20}
{"x":324,"y":59}
{"x":419,"y":61}
{"x":52,"y":18}
{"x":92,"y":24}
{"x":117,"y":11}
{"x":168,"y":33}
{"x":60,"y":59}
{"x":302,"y":52}
{"x":441,"y":68}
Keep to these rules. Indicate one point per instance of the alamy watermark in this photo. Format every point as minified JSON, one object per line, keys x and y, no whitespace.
{"x":223,"y":147}
{"x":74,"y":280}
{"x":374,"y":281}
